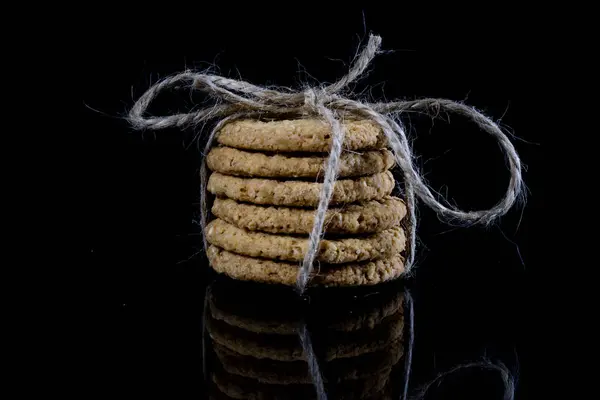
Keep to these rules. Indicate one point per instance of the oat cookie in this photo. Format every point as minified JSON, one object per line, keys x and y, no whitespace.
{"x":369,"y":217}
{"x":276,"y":272}
{"x":288,"y":248}
{"x":297,"y":193}
{"x":230,"y":161}
{"x":310,"y":135}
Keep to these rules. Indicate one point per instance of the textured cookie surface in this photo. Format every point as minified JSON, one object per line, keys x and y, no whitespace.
{"x":372,"y":216}
{"x":230,"y":161}
{"x":296,"y":193}
{"x":288,"y":248}
{"x":276,"y":272}
{"x":310,"y":135}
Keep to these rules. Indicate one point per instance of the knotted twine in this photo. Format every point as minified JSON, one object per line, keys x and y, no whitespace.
{"x":235,"y":99}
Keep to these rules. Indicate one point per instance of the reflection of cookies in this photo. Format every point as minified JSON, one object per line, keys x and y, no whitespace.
{"x":239,"y":387}
{"x":357,"y":343}
{"x":287,"y":248}
{"x":267,"y":271}
{"x":230,"y":161}
{"x":288,"y":348}
{"x":298,"y":193}
{"x":273,"y":347}
{"x":288,"y":372}
{"x":369,"y":217}
{"x":311,"y":135}
{"x":356,"y":335}
{"x":253,"y":325}
{"x":284,"y":324}
{"x":367,"y":319}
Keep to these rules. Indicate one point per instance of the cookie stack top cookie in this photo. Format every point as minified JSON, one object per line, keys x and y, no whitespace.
{"x":267,"y":180}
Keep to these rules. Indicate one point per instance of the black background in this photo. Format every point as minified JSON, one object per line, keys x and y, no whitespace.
{"x":471,"y":291}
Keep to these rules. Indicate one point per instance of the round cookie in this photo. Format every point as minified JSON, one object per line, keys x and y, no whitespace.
{"x":267,"y":271}
{"x":309,"y":135}
{"x":230,"y":161}
{"x":298,"y":193}
{"x":369,"y":217}
{"x":288,"y":248}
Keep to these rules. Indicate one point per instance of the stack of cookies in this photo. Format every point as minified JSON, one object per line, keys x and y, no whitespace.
{"x":254,"y":350}
{"x":267,"y":179}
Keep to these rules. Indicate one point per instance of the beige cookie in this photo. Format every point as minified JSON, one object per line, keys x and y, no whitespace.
{"x":310,"y":135}
{"x":369,"y":217}
{"x":276,"y":272}
{"x":289,"y":248}
{"x":230,"y":161}
{"x":297,"y":193}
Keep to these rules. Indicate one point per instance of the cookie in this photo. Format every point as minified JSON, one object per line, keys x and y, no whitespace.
{"x":310,"y":135}
{"x":276,"y":272}
{"x":369,"y":217}
{"x":288,"y":248}
{"x":230,"y":161}
{"x":298,"y":193}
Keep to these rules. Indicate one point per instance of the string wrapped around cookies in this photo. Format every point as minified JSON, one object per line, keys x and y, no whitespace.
{"x":302,"y":179}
